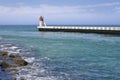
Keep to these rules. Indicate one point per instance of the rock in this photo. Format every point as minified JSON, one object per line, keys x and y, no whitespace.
{"x":5,"y":64}
{"x":14,"y":79}
{"x":20,"y":62}
{"x":21,"y":78}
{"x":18,"y":56}
{"x":4,"y":54}
{"x":12,"y":69}
{"x":12,"y":56}
{"x":15,"y":56}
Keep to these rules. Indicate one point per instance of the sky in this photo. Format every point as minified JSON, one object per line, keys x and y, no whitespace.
{"x":60,"y":12}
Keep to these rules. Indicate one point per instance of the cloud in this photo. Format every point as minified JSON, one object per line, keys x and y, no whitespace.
{"x":103,"y":5}
{"x":49,"y":9}
{"x":117,"y":9}
{"x":30,"y":14}
{"x":46,"y":9}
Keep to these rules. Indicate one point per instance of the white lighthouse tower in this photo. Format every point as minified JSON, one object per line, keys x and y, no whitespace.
{"x":41,"y":21}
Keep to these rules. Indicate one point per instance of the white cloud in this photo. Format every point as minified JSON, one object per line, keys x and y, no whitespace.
{"x":48,"y":9}
{"x":62,"y":13}
{"x":103,"y":5}
{"x":43,"y":9}
{"x":117,"y":9}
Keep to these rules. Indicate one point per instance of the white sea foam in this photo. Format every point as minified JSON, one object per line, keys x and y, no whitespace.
{"x":45,"y":58}
{"x":29,"y":77}
{"x":13,"y":47}
{"x":36,"y":72}
{"x":29,"y":60}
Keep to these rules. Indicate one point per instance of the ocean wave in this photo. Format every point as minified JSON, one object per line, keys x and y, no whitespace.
{"x":35,"y":70}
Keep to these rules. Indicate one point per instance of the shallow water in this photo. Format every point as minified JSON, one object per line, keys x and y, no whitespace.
{"x":64,"y":56}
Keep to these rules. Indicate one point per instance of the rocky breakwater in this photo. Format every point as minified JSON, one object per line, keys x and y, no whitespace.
{"x":10,"y":64}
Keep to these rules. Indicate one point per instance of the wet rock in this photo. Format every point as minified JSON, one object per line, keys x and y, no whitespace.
{"x":13,"y":69}
{"x":14,"y":78}
{"x":4,"y":54}
{"x":20,"y":62}
{"x":12,"y":62}
{"x":22,"y":78}
{"x":4,"y":64}
{"x":12,"y":56}
{"x":18,"y":56}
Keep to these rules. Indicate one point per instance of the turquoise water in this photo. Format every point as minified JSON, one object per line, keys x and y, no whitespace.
{"x":66,"y":56}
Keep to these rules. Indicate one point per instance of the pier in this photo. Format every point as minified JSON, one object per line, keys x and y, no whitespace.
{"x":82,"y":29}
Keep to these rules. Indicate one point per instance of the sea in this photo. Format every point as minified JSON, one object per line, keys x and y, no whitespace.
{"x":62,"y":55}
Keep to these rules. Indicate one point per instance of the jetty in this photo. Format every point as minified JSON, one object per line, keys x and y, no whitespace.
{"x":82,"y":29}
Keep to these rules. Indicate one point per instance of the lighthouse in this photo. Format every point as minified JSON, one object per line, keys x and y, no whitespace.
{"x":41,"y":21}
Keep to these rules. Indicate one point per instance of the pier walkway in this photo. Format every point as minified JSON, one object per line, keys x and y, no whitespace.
{"x":82,"y":29}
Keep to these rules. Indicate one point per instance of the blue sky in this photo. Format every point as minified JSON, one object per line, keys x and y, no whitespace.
{"x":60,"y":12}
